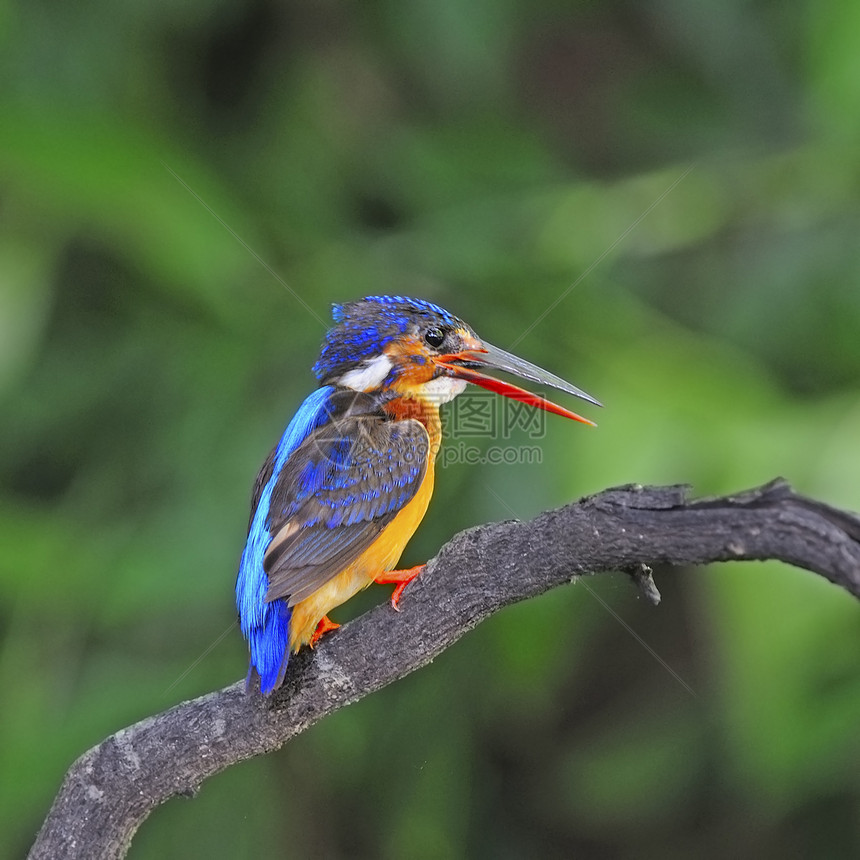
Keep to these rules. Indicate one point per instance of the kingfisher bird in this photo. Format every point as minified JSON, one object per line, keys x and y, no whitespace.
{"x":349,"y":481}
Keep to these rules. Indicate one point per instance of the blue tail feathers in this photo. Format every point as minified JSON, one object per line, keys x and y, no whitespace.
{"x":270,"y":646}
{"x":266,"y":626}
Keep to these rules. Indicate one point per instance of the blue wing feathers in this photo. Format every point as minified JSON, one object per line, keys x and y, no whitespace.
{"x":341,"y":472}
{"x":357,"y":492}
{"x":266,"y":626}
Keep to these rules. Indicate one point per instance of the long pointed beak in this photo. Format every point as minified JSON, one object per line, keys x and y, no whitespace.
{"x":463,"y":365}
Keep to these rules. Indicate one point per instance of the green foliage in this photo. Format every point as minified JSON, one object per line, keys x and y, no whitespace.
{"x":186,"y":188}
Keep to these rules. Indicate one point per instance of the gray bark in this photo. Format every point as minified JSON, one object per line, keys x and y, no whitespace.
{"x":111,"y":789}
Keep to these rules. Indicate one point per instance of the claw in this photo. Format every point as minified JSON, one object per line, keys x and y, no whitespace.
{"x":324,"y":626}
{"x":402,"y":578}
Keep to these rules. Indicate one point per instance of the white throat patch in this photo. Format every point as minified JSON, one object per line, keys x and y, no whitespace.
{"x":442,"y":389}
{"x":369,"y":376}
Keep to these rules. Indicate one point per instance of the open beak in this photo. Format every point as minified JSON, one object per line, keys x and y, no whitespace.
{"x":465,"y":364}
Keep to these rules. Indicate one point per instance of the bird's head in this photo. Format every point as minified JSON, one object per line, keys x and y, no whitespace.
{"x":409,"y":347}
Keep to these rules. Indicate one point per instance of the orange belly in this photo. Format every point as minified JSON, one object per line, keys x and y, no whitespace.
{"x":380,"y":556}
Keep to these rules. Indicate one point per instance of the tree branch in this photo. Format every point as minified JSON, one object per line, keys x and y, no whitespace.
{"x":111,"y":789}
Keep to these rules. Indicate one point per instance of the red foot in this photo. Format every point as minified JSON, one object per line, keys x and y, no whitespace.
{"x":325,"y":624}
{"x":402,"y":578}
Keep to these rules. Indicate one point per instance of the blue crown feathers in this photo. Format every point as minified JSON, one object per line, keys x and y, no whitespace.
{"x":365,"y":327}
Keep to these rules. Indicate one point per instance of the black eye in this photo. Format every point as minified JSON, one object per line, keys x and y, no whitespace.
{"x":434,"y":337}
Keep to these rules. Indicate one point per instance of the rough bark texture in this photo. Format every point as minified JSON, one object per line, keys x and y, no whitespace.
{"x":111,"y":789}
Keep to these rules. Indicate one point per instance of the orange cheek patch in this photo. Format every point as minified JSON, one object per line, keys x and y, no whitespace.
{"x":414,"y":365}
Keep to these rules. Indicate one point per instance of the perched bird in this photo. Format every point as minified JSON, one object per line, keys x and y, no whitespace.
{"x":350,"y":480}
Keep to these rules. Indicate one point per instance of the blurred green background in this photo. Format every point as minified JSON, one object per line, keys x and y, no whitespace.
{"x":179,"y":183}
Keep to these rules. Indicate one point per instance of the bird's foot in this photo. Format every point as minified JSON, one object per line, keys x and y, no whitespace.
{"x":325,"y":624}
{"x":402,"y":578}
